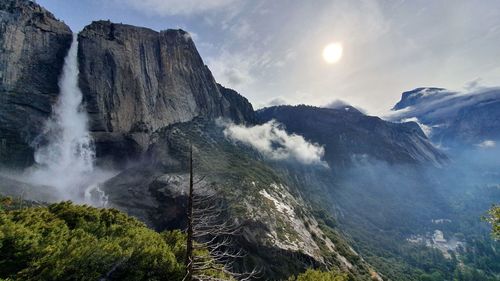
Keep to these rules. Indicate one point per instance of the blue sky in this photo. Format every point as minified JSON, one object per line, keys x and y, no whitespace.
{"x":271,"y":51}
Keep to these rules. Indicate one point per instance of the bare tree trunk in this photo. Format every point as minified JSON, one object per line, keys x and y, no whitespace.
{"x":189,"y":248}
{"x":208,"y":231}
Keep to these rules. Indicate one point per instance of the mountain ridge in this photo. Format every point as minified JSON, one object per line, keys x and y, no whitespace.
{"x":347,"y":133}
{"x":149,"y":97}
{"x":454,"y":119}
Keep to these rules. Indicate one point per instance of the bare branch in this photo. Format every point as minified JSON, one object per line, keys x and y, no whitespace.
{"x":209,"y":232}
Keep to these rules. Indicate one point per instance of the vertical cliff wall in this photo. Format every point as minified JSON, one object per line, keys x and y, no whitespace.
{"x":33,"y":44}
{"x":136,"y":80}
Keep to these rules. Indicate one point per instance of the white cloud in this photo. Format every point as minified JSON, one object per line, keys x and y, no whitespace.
{"x":487,"y":144}
{"x":274,"y":142}
{"x":177,"y":7}
{"x":446,"y":104}
{"x":242,"y":30}
{"x":238,"y":70}
{"x":231,"y":70}
{"x":426,"y":129}
{"x":336,"y":104}
{"x":474,"y":84}
{"x":277,"y":101}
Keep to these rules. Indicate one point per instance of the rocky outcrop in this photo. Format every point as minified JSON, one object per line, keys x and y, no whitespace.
{"x":136,"y":81}
{"x":241,"y":110}
{"x":33,"y":44}
{"x":415,"y":96}
{"x":275,"y":221}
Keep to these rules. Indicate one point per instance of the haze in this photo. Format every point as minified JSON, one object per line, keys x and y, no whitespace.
{"x":271,"y":51}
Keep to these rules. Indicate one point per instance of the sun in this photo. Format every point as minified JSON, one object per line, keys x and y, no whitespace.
{"x":332,"y":52}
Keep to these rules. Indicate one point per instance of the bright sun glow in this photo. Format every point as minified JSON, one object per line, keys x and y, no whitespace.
{"x":332,"y":53}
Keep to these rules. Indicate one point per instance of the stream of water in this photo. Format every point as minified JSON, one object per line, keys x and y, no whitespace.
{"x":64,"y":153}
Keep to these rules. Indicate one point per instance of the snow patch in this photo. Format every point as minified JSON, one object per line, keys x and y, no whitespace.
{"x":280,"y":206}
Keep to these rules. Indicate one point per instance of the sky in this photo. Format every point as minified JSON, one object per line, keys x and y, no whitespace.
{"x":271,"y":51}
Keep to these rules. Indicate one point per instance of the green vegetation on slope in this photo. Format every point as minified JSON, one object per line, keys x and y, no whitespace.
{"x":65,"y":241}
{"x":239,"y":173}
{"x":397,"y":259}
{"x":316,"y":275}
{"x":71,"y":242}
{"x":494,"y":218}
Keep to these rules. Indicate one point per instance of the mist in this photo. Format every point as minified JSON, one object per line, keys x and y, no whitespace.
{"x":397,"y":200}
{"x":271,"y":140}
{"x":64,"y":153}
{"x":438,"y":105}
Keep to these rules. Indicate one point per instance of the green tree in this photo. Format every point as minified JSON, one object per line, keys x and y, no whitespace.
{"x":493,"y":217}
{"x":316,"y":275}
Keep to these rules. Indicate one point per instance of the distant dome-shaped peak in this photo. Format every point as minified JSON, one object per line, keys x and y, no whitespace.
{"x":415,"y":96}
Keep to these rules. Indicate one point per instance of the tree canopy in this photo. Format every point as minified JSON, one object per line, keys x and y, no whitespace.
{"x":316,"y":275}
{"x":494,"y":218}
{"x":65,"y":241}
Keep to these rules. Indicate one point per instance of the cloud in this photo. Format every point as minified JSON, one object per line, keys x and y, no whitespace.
{"x":487,"y":144}
{"x":177,"y":7}
{"x":426,"y":129}
{"x":239,"y":69}
{"x":274,"y":142}
{"x":440,"y":108}
{"x":278,"y":101}
{"x":231,"y":70}
{"x":336,"y":104}
{"x":474,"y":84}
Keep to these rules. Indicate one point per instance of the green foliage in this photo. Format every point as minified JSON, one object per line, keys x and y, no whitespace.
{"x":316,"y":275}
{"x":383,"y":244}
{"x":435,"y":276}
{"x":494,"y":219}
{"x":70,"y":242}
{"x":9,"y":203}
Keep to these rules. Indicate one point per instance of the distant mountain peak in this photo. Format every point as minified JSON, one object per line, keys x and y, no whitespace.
{"x":455,"y":118}
{"x":338,"y":109}
{"x":342,"y":105}
{"x":347,"y":132}
{"x":415,"y":96}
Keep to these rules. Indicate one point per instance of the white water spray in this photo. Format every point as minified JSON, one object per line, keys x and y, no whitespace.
{"x":66,"y":157}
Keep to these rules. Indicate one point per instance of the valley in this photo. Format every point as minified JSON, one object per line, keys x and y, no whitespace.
{"x":107,"y":118}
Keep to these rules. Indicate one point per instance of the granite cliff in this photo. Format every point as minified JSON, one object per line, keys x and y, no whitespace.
{"x":148,"y":95}
{"x":136,"y":81}
{"x":33,"y":45}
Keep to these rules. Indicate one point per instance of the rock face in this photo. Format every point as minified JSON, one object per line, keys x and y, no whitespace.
{"x":33,"y":44}
{"x":348,"y":134}
{"x":413,"y":97}
{"x":275,"y":221}
{"x":136,"y":81}
{"x":454,"y":119}
{"x":241,"y":110}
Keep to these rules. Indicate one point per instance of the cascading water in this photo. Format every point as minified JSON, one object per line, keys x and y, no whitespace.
{"x":65,"y":158}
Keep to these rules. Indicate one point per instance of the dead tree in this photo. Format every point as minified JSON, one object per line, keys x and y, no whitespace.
{"x":189,"y":246}
{"x":211,"y":251}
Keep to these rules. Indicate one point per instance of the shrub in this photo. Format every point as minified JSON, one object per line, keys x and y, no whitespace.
{"x":72,"y":242}
{"x":316,"y":275}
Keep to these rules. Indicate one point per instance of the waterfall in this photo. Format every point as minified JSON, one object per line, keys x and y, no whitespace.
{"x":64,"y":153}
